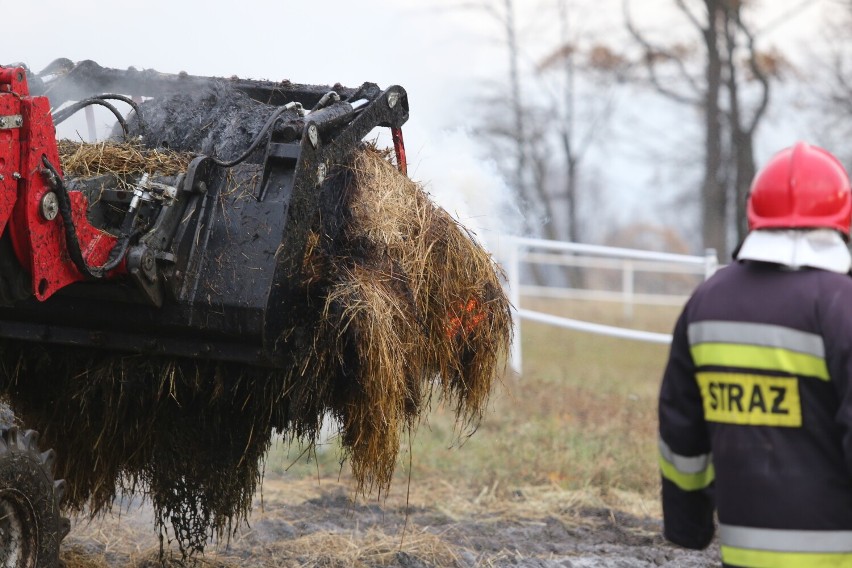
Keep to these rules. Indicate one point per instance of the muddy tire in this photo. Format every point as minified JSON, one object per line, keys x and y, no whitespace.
{"x":31,"y":526}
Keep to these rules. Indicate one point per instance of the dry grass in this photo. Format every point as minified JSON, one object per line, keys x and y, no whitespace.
{"x":76,"y":557}
{"x":82,"y":159}
{"x":365,"y":549}
{"x":583,"y":415}
{"x":581,"y":418}
{"x":303,"y":524}
{"x":571,"y":443}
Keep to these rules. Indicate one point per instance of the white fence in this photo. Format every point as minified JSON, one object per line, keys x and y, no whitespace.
{"x":518,"y":250}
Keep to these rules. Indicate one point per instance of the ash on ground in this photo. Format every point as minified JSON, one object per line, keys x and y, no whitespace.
{"x":316,"y":523}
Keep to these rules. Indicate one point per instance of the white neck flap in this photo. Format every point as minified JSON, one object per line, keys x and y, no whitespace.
{"x":796,"y":248}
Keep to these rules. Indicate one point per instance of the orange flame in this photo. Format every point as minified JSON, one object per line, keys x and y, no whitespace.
{"x":469,"y":316}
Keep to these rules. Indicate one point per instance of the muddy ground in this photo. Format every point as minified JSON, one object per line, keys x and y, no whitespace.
{"x":310,"y":522}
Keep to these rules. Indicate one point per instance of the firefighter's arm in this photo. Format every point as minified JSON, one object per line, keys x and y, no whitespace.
{"x":837,"y":335}
{"x":684,"y":447}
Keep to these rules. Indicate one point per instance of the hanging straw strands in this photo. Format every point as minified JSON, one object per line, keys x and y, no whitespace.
{"x":82,"y":159}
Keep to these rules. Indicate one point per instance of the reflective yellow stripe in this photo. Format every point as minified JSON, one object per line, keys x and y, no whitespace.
{"x":802,"y":541}
{"x":747,"y":558}
{"x":746,"y":333}
{"x":684,"y":464}
{"x":753,"y":400}
{"x":755,"y":547}
{"x":759,"y":357}
{"x":687,"y":481}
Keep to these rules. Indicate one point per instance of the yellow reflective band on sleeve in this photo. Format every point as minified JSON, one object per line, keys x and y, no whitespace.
{"x":753,"y":400}
{"x":747,"y":558}
{"x":759,"y":357}
{"x":687,"y":481}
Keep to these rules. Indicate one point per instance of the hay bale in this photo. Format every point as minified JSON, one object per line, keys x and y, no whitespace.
{"x":191,"y":435}
{"x":405,"y":300}
{"x":120,"y":159}
{"x":397,"y":304}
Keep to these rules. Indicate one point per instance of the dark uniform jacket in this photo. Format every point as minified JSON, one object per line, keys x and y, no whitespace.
{"x":756,"y":418}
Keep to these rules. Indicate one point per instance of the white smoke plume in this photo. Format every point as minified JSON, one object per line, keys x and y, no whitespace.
{"x":459,"y":178}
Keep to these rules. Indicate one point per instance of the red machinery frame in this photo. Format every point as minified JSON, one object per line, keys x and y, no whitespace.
{"x":27,"y":201}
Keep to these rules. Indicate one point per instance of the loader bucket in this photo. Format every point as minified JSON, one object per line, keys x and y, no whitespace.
{"x":214,"y":279}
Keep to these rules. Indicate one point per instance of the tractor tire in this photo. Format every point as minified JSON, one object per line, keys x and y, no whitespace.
{"x":31,"y":526}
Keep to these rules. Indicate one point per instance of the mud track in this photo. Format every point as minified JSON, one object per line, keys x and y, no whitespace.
{"x":300,"y":523}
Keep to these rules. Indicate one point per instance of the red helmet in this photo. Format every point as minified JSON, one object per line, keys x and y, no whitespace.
{"x":801,"y":187}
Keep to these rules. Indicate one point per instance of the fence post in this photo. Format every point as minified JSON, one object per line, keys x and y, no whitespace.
{"x":627,"y":288}
{"x":90,"y":123}
{"x":513,"y":273}
{"x":515,"y":247}
{"x":711,"y":263}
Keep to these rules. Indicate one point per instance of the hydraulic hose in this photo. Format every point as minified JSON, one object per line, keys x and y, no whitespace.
{"x":117,"y":253}
{"x":264,"y":131}
{"x":65,"y":113}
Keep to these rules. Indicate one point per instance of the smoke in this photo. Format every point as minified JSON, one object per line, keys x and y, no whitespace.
{"x":451,"y":164}
{"x":454,"y":171}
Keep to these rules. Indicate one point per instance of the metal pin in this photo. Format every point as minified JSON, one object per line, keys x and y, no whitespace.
{"x":49,"y":206}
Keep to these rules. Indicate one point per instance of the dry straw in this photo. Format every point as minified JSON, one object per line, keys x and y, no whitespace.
{"x":119,"y":158}
{"x":408,"y":302}
{"x":398,"y":304}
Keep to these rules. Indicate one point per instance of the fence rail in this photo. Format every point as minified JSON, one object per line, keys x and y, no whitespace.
{"x":590,"y":327}
{"x":518,"y":250}
{"x":628,"y":297}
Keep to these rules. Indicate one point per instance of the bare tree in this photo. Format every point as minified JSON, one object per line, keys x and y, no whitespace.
{"x":830,"y":75}
{"x":515,"y":94}
{"x":504,"y":14}
{"x":542,"y":129}
{"x":577,"y":130}
{"x":730,"y":87}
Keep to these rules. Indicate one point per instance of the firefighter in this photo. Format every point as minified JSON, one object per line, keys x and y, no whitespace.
{"x":755,"y":406}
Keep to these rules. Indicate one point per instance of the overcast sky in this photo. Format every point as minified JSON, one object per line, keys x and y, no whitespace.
{"x":438,"y":51}
{"x":435,"y":53}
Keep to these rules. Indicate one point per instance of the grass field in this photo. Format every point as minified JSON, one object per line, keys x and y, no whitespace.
{"x":562,"y":469}
{"x":582,"y":416}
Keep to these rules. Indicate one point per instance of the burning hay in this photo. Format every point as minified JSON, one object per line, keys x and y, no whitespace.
{"x":395,"y":303}
{"x":406,"y":302}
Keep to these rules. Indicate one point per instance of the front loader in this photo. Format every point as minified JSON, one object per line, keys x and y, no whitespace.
{"x":193,"y":264}
{"x":173,"y":253}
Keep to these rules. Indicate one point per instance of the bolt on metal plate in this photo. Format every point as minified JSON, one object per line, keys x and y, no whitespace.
{"x":11,"y":121}
{"x":49,"y":206}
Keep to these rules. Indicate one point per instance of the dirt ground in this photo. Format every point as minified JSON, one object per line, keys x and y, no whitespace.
{"x":311,"y":522}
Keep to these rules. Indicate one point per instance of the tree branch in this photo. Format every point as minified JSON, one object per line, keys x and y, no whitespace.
{"x":650,"y":54}
{"x":759,"y":74}
{"x":692,"y":17}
